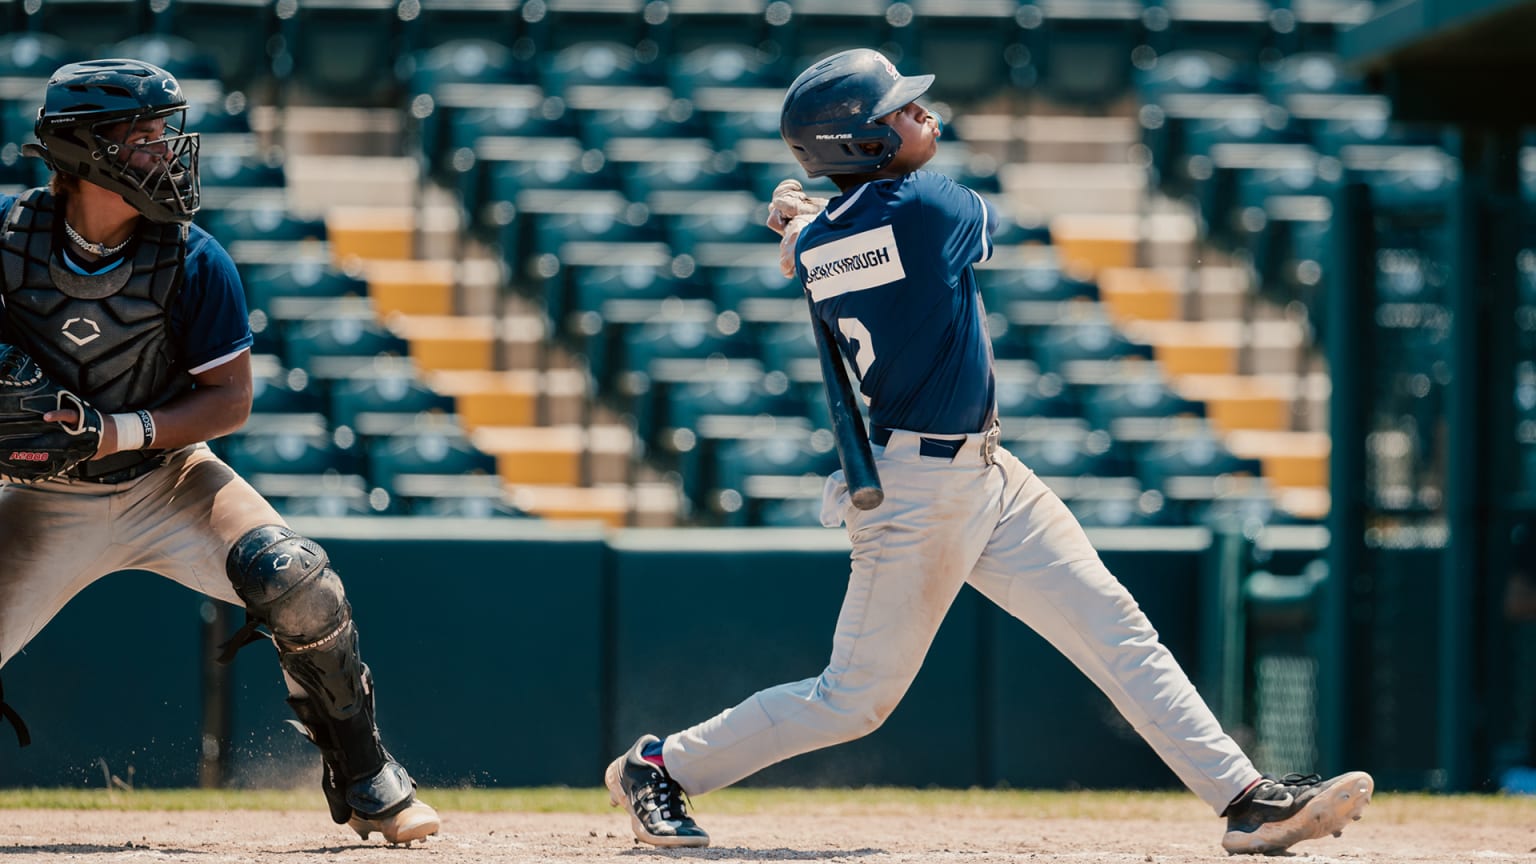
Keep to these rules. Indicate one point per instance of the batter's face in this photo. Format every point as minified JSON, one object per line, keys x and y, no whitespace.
{"x":919,"y":131}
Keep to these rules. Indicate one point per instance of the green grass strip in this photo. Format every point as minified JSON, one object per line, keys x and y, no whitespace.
{"x":1392,"y":808}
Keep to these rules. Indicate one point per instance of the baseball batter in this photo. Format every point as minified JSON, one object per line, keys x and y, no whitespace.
{"x":115,"y":296}
{"x":887,"y":265}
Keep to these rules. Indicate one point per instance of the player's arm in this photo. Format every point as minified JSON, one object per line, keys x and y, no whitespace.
{"x":218,"y":405}
{"x":789,"y":211}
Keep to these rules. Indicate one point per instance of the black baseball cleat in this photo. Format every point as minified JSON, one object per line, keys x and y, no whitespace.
{"x":1277,"y":814}
{"x":657,"y":810}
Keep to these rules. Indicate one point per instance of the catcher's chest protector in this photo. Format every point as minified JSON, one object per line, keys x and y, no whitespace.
{"x":104,"y":337}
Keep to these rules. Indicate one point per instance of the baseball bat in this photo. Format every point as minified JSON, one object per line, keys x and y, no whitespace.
{"x":848,"y":433}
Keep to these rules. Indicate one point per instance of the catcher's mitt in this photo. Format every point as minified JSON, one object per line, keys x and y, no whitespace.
{"x":32,"y":448}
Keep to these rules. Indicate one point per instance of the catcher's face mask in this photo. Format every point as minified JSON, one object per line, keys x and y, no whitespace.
{"x":120,"y":124}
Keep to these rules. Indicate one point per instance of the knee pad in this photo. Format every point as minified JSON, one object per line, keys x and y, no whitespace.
{"x":287,"y":583}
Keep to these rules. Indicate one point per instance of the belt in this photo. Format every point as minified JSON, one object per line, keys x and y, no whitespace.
{"x":940,"y":448}
{"x":119,"y":467}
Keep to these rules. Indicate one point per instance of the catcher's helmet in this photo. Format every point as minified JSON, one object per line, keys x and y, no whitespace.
{"x":93,"y":112}
{"x":830,"y":111}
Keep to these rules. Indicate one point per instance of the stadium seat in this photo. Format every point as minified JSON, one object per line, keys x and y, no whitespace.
{"x":1199,"y":456}
{"x":1006,"y":285}
{"x":383,"y":404}
{"x":433,"y":448}
{"x":976,"y":170}
{"x":734,"y":217}
{"x":757,"y":291}
{"x":800,"y":510}
{"x":1309,"y":26}
{"x":678,"y":174}
{"x":1138,"y":409}
{"x":791,"y":348}
{"x":598,"y":287}
{"x":967,"y":45}
{"x":280,"y":392}
{"x":260,"y":221}
{"x":593,"y":73}
{"x":689,"y":337}
{"x":1024,"y":394}
{"x":1236,"y":29}
{"x":810,"y":456}
{"x":298,"y":448}
{"x":512,"y":177}
{"x":592,"y":219}
{"x":301,"y":288}
{"x":340,"y":346}
{"x":34,"y":56}
{"x":470,"y":74}
{"x":1075,"y":349}
{"x":715,"y":73}
{"x":328,"y":495}
{"x":1120,"y":507}
{"x":686,"y":405}
{"x":652,"y":115}
{"x":697,"y":29}
{"x":1091,"y":454}
{"x":234,"y":176}
{"x":817,"y":28}
{"x":89,"y":23}
{"x":343,"y":52}
{"x":1193,"y":72}
{"x":567,"y":24}
{"x":588,"y":279}
{"x":1076,"y":53}
{"x":464,"y":506}
{"x":195,"y":68}
{"x":441,"y":22}
{"x":237,"y":32}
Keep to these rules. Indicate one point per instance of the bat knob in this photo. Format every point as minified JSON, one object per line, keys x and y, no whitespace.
{"x":868,"y":498}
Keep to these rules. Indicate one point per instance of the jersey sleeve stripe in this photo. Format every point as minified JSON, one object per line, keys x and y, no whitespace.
{"x":217,"y":361}
{"x":986,"y":237}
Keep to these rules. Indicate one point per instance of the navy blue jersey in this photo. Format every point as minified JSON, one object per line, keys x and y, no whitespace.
{"x":888,"y":268}
{"x":208,"y":323}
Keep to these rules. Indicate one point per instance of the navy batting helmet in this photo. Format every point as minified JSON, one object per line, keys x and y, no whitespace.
{"x":93,"y":125}
{"x":830,"y":112}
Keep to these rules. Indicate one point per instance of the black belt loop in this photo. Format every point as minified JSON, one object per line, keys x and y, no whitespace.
{"x":934,"y":448}
{"x":119,"y":467}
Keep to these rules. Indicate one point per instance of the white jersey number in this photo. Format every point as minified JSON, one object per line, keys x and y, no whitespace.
{"x":854,"y":331}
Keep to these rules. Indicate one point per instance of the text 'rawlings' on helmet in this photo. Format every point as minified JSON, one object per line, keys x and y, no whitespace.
{"x":830,"y":111}
{"x":120,"y":124}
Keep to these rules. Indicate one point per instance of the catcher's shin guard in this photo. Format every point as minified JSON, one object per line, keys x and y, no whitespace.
{"x":361,"y":778}
{"x":288,"y":585}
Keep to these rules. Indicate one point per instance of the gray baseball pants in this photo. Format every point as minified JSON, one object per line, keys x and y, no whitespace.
{"x":944,"y":523}
{"x":179,"y":521}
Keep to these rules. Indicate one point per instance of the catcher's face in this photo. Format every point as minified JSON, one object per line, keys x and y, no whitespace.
{"x":142,"y":148}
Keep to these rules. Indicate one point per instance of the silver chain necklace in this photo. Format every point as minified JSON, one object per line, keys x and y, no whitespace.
{"x":97,"y":249}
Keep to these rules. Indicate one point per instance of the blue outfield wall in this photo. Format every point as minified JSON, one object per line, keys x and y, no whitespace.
{"x":518,"y":654}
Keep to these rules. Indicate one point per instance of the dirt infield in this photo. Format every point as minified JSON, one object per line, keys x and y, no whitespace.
{"x":1167,"y":832}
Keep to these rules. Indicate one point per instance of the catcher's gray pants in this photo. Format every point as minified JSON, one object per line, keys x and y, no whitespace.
{"x":179,"y":520}
{"x":998,"y":527}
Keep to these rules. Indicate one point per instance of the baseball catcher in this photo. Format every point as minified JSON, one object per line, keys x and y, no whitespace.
{"x":124,"y":347}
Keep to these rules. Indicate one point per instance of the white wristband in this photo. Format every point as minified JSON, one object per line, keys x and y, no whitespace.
{"x":130,"y":431}
{"x":147,"y":424}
